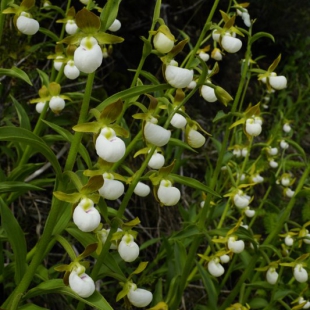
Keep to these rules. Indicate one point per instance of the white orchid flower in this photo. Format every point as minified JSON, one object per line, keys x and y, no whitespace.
{"x":139,"y":297}
{"x":71,"y":27}
{"x":231,"y":44}
{"x":88,"y":56}
{"x":178,"y":121}
{"x":300,"y":273}
{"x":82,"y":284}
{"x":57,"y":104}
{"x":71,"y":71}
{"x":167,"y":194}
{"x":253,"y":126}
{"x":108,"y":146}
{"x":162,"y":43}
{"x":128,"y":249}
{"x":236,"y":246}
{"x":85,"y":216}
{"x":142,"y":189}
{"x":215,"y":268}
{"x":272,"y":276}
{"x":27,"y":25}
{"x":155,"y":134}
{"x":157,"y":161}
{"x":241,"y":200}
{"x":111,"y":189}
{"x":116,"y":25}
{"x":178,"y":77}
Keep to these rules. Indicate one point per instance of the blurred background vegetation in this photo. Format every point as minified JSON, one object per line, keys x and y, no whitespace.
{"x":287,"y":21}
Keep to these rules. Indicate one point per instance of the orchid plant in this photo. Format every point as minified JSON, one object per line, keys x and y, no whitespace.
{"x":111,"y":164}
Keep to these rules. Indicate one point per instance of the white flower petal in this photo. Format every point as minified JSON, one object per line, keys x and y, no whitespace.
{"x":71,"y":27}
{"x":215,"y":268}
{"x":241,"y":200}
{"x":225,"y":259}
{"x":195,"y":139}
{"x":253,"y":127}
{"x":236,"y":246}
{"x":231,"y":44}
{"x":278,"y":82}
{"x":83,"y":285}
{"x":286,"y":128}
{"x":157,"y":161}
{"x":116,"y":25}
{"x":56,"y":104}
{"x":88,"y":56}
{"x":300,"y":273}
{"x":208,"y":93}
{"x":178,"y":121}
{"x":71,"y":71}
{"x":178,"y":77}
{"x":142,"y":189}
{"x":27,"y":25}
{"x":168,"y":195}
{"x":156,"y":134}
{"x":40,"y":107}
{"x":139,"y":297}
{"x":284,"y":145}
{"x":111,"y":189}
{"x":128,"y":249}
{"x":162,"y":43}
{"x":272,"y":276}
{"x":288,"y":240}
{"x":204,"y":56}
{"x":86,"y":218}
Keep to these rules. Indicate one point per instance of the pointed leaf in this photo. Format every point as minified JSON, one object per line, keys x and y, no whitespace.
{"x":88,"y":127}
{"x":106,"y":38}
{"x":112,"y":111}
{"x":275,"y":63}
{"x":17,"y":73}
{"x":109,"y":13}
{"x":15,"y":186}
{"x":140,"y":268}
{"x":71,"y":198}
{"x":94,"y":183}
{"x":87,"y":21}
{"x":259,"y":35}
{"x":88,"y":250}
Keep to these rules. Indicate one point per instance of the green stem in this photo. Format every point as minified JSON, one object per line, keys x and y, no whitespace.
{"x":3,"y":6}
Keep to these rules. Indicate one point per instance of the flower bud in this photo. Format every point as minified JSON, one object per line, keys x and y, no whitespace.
{"x":216,"y":54}
{"x":58,"y":64}
{"x":216,"y":35}
{"x":285,"y":180}
{"x":288,"y":192}
{"x":288,"y":240}
{"x":257,"y":178}
{"x":178,"y":77}
{"x":307,"y":239}
{"x":208,"y":93}
{"x":272,"y":276}
{"x":139,"y":297}
{"x":109,"y":147}
{"x":27,"y":25}
{"x":237,"y":152}
{"x":300,"y":273}
{"x":88,"y":56}
{"x":192,"y":85}
{"x":157,"y":161}
{"x":225,"y":259}
{"x":71,"y":27}
{"x":178,"y":121}
{"x":116,"y":25}
{"x":85,"y":216}
{"x":128,"y":249}
{"x":142,"y":189}
{"x":231,"y":44}
{"x":215,"y":268}
{"x":236,"y":246}
{"x":156,"y":134}
{"x":195,"y":139}
{"x":272,"y":151}
{"x":56,"y":104}
{"x":111,"y":189}
{"x":167,"y":194}
{"x":83,"y":284}
{"x":71,"y":71}
{"x":244,"y":152}
{"x":253,"y":126}
{"x":301,"y":300}
{"x":249,"y":212}
{"x":162,"y":43}
{"x":204,"y":56}
{"x":273,"y":164}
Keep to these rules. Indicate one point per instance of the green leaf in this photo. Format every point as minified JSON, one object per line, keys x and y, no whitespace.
{"x":179,"y":143}
{"x":111,"y":112}
{"x":15,"y":186}
{"x":109,"y":13}
{"x":189,"y":231}
{"x":209,"y":286}
{"x":259,"y":35}
{"x":275,"y":63}
{"x":21,"y":135}
{"x":93,"y":184}
{"x":22,"y":115}
{"x":132,"y":92}
{"x":57,"y":286}
{"x":31,"y":307}
{"x":17,"y":73}
{"x":16,"y":238}
{"x":193,"y":183}
{"x":43,"y":77}
{"x":71,"y":198}
{"x":140,"y":268}
{"x":180,"y":256}
{"x":149,"y":76}
{"x":258,"y":303}
{"x":219,"y":115}
{"x":87,"y":21}
{"x":49,"y":34}
{"x":69,"y":137}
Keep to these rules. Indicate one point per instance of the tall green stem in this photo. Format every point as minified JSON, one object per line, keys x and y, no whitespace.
{"x":3,"y":6}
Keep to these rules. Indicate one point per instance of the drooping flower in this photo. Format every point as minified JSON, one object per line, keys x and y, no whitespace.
{"x":128,"y":249}
{"x":306,"y":305}
{"x":27,"y":25}
{"x":249,"y":212}
{"x":82,"y":284}
{"x":178,"y":77}
{"x":178,"y":121}
{"x":194,"y":138}
{"x":288,"y":240}
{"x":40,"y":107}
{"x":216,"y":54}
{"x":111,"y":189}
{"x":277,"y":82}
{"x":284,"y":145}
{"x":71,"y":27}
{"x":241,"y":200}
{"x":273,"y":163}
{"x":163,"y":40}
{"x":155,"y":134}
{"x":287,"y":128}
{"x":88,"y":56}
{"x":57,"y":104}
{"x":208,"y":93}
{"x":272,"y":276}
{"x":288,"y":192}
{"x":57,"y":63}
{"x":85,"y":216}
{"x":257,"y":178}
{"x":167,"y":194}
{"x":139,"y":297}
{"x":108,"y":146}
{"x":142,"y":189}
{"x":272,"y":151}
{"x":300,"y":273}
{"x":204,"y":56}
{"x":215,"y":268}
{"x":224,"y":259}
{"x":231,"y":44}
{"x":236,"y":246}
